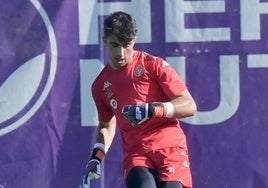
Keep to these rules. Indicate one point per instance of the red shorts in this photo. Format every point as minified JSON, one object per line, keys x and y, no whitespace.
{"x":171,"y":164}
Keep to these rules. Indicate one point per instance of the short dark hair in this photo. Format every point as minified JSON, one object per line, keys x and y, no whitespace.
{"x":122,"y":25}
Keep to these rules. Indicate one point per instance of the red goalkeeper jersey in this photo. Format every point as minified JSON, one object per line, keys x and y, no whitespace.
{"x":145,"y":79}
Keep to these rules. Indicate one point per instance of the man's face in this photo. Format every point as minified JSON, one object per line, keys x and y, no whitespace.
{"x":120,"y":53}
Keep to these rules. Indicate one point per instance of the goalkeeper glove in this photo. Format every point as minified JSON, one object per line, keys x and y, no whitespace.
{"x":93,"y":168}
{"x":138,"y":113}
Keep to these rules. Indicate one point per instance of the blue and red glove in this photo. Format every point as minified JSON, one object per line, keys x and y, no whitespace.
{"x":93,"y":168}
{"x":138,"y":113}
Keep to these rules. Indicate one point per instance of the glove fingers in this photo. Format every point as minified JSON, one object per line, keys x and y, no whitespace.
{"x":93,"y":171}
{"x":126,"y":109}
{"x":93,"y":166}
{"x":93,"y":175}
{"x":85,"y":183}
{"x":136,"y":114}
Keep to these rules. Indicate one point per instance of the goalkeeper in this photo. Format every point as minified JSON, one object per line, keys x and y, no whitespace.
{"x":144,"y":96}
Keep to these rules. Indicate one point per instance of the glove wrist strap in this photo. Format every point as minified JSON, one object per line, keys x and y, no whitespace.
{"x":98,"y":154}
{"x":101,"y":146}
{"x":161,"y":110}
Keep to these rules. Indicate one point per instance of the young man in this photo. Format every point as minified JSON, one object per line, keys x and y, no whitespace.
{"x":145,"y":97}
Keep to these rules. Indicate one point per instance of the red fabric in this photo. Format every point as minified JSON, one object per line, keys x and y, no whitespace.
{"x":171,"y":164}
{"x":145,"y":79}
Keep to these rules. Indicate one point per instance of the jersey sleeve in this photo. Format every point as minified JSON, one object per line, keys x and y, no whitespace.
{"x":169,"y":80}
{"x":105,"y":112}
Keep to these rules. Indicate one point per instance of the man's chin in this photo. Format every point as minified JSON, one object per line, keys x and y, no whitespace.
{"x":121,"y":63}
{"x":118,"y":65}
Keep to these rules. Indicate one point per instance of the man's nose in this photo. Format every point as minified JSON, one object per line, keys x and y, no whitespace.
{"x":121,"y":51}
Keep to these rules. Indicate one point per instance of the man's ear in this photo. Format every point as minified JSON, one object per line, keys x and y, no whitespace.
{"x":104,"y":39}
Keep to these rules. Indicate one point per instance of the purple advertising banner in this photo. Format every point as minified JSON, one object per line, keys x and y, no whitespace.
{"x":51,"y":52}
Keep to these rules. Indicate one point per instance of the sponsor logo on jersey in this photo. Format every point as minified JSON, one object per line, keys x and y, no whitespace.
{"x":113,"y":103}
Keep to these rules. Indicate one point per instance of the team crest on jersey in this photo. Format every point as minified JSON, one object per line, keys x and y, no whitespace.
{"x":113,"y":103}
{"x":139,"y":70}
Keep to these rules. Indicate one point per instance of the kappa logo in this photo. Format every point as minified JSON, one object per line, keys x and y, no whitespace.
{"x":165,"y":64}
{"x":28,"y":75}
{"x":106,"y":85}
{"x":107,"y":89}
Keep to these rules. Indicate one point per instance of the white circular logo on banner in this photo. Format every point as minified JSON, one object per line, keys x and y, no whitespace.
{"x":13,"y":95}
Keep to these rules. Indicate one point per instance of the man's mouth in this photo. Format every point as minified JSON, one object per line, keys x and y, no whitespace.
{"x":120,"y":60}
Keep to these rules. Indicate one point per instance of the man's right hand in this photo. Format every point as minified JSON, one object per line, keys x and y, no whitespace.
{"x":93,"y":168}
{"x":93,"y":171}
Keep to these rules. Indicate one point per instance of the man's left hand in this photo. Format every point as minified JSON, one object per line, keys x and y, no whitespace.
{"x":136,"y":114}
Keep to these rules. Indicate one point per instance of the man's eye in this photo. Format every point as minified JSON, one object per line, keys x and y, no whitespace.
{"x":126,"y":45}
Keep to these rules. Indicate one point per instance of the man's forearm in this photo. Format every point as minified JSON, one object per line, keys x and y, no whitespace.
{"x":106,"y":133}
